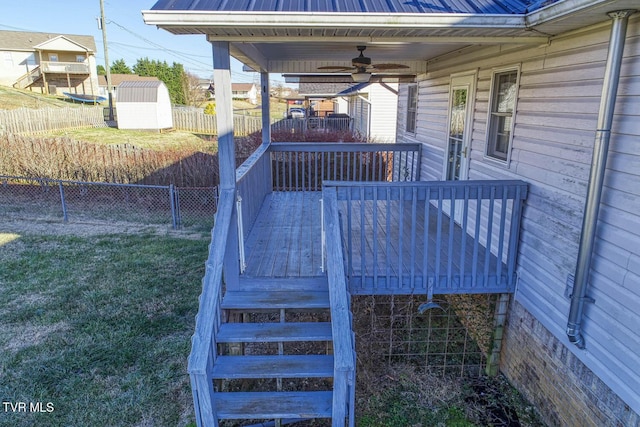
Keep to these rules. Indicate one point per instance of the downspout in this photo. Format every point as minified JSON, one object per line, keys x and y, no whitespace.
{"x":596,"y":177}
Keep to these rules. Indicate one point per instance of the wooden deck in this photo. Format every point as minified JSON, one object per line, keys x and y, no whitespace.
{"x":285,"y":242}
{"x":285,"y":239}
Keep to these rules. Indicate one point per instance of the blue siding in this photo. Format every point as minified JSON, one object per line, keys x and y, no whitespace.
{"x":356,"y":6}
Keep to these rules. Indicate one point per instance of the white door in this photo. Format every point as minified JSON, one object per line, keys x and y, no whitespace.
{"x":460,"y":122}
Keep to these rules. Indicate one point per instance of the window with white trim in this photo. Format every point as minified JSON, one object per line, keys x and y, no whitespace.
{"x":504,"y":92}
{"x":412,"y":108}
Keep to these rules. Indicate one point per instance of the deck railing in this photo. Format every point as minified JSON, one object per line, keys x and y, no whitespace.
{"x":313,"y":123}
{"x":209,"y":318}
{"x":344,"y":351}
{"x":304,"y":166}
{"x":436,"y":237}
{"x":64,"y":67}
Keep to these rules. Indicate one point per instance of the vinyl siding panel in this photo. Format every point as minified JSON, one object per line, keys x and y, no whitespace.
{"x":384,"y":104}
{"x":553,"y":138}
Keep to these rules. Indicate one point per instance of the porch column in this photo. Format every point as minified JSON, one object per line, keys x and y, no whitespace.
{"x":266,"y":108}
{"x":226,"y":151}
{"x":224,"y":114}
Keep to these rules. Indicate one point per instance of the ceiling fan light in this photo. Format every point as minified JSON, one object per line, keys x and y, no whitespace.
{"x":361,"y":77}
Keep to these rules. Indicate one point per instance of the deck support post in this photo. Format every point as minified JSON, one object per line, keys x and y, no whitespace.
{"x":226,"y":151}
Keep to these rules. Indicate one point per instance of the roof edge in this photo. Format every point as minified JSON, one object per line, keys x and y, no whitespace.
{"x":164,"y":18}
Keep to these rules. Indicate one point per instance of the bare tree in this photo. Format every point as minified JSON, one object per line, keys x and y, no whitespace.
{"x":195,"y":93}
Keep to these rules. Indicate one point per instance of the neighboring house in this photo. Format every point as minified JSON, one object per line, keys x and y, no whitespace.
{"x":48,"y":63}
{"x":371,"y":106}
{"x":242,"y":91}
{"x":116,"y":79}
{"x":503,"y":91}
{"x":144,"y":105}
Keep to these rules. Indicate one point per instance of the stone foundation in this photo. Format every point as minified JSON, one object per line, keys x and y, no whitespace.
{"x":558,"y":384}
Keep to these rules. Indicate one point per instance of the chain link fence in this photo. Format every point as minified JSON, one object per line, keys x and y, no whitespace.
{"x":40,"y":198}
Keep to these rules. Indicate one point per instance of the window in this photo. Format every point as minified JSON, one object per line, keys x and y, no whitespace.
{"x":80,"y":58}
{"x":8,"y":60}
{"x":53,"y":57}
{"x":412,"y":107}
{"x":504,"y":91}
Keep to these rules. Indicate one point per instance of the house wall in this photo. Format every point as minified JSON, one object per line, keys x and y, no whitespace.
{"x":384,"y":103}
{"x":359,"y":109}
{"x":14,"y":64}
{"x":555,"y":123}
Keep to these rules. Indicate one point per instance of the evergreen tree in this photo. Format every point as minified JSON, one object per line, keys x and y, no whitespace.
{"x":173,"y":77}
{"x":120,"y":67}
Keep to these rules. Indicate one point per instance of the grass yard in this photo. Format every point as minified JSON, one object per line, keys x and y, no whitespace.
{"x":11,"y":98}
{"x":98,"y":328}
{"x":174,"y":140}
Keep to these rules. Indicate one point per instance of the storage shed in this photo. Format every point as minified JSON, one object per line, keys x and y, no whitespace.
{"x":144,"y":105}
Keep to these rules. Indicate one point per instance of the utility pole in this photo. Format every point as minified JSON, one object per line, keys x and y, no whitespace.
{"x":103,"y":25}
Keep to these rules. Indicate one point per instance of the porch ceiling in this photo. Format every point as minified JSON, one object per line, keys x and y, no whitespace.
{"x":303,"y":41}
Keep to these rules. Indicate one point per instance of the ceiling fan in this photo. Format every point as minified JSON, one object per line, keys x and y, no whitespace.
{"x":361,"y":67}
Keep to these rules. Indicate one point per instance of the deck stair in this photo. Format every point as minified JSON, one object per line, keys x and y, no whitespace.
{"x":274,"y":350}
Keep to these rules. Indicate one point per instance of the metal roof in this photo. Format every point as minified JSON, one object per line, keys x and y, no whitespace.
{"x":357,"y":6}
{"x":306,"y":36}
{"x":139,"y":91}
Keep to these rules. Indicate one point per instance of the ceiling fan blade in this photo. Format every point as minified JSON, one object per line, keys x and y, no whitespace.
{"x":389,"y":66}
{"x":335,"y":67}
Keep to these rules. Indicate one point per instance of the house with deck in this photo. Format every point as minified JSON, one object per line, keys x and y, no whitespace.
{"x":48,"y":63}
{"x":514,"y":172}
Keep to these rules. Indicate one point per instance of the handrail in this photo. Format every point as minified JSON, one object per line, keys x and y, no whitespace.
{"x":341,"y":324}
{"x":208,"y":319}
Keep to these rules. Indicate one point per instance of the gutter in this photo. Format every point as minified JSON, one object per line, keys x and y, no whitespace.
{"x":596,"y":177}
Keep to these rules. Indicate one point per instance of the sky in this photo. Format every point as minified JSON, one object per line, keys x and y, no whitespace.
{"x":128,"y":37}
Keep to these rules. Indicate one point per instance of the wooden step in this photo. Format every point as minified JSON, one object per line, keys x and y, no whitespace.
{"x":260,"y":300}
{"x":298,"y":366}
{"x":274,"y":332}
{"x":283,"y":283}
{"x":269,"y":405}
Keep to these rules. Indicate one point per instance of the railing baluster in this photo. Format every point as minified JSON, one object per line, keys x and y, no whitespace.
{"x":289,"y":184}
{"x":375,"y":238}
{"x":452,"y":223}
{"x":503,"y":215}
{"x":401,"y":238}
{"x":439,"y":236}
{"x":363,"y":247}
{"x":465,"y":221}
{"x":514,"y":233}
{"x":349,"y":232}
{"x":426,"y":237}
{"x":476,"y":238}
{"x":414,"y":220}
{"x":374,"y":158}
{"x":487,"y":250}
{"x":388,"y":237}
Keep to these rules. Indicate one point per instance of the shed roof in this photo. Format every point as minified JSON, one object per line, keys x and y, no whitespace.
{"x":139,"y":91}
{"x":116,"y":79}
{"x":27,"y":40}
